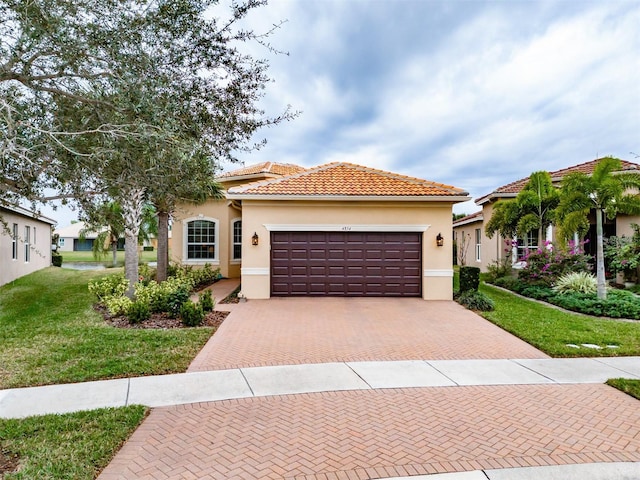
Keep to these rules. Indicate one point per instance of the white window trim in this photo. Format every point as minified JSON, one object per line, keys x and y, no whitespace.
{"x":200,"y":261}
{"x":478,"y":244}
{"x":234,"y":261}
{"x":27,"y":243}
{"x":15,"y":251}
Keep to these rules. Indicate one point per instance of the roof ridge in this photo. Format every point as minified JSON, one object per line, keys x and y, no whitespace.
{"x":269,"y":181}
{"x":342,"y":182}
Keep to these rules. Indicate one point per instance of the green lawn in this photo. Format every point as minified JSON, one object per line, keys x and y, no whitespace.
{"x":145,"y":257}
{"x":632,"y":387}
{"x":50,"y":334}
{"x":75,"y":446}
{"x":550,"y":329}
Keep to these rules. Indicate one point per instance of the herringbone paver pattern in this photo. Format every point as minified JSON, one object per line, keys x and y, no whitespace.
{"x":286,"y":331}
{"x":381,"y":433}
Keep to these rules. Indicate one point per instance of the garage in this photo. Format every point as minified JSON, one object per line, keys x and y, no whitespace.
{"x":346,"y":264}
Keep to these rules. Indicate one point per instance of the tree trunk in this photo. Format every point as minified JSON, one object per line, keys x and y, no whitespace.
{"x":114,"y":252}
{"x":131,"y":202}
{"x":163,"y":246}
{"x":602,"y":285}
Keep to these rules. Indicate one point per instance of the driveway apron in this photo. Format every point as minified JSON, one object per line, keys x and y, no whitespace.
{"x":379,"y":433}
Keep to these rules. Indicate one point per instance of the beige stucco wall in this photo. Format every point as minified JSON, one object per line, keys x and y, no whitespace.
{"x":347,"y":216}
{"x":623,"y":225}
{"x":40,"y":251}
{"x":491,"y":249}
{"x":223,"y":212}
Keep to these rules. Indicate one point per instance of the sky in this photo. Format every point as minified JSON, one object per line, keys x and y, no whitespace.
{"x":474,"y":94}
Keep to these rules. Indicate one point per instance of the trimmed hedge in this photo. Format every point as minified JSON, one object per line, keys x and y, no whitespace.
{"x":469,"y":279}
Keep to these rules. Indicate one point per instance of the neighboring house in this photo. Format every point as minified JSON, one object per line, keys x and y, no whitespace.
{"x":71,"y":240}
{"x":338,"y":229}
{"x":25,"y":242}
{"x":484,"y":251}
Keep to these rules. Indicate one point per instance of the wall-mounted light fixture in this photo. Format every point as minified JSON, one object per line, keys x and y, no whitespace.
{"x":255,"y":239}
{"x":440,"y":240}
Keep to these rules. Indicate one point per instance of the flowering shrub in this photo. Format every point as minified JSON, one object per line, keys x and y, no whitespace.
{"x":545,"y":265}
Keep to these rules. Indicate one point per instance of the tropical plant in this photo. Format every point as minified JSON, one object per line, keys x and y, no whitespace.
{"x":532,"y":209}
{"x":581,"y":282}
{"x":608,"y":191}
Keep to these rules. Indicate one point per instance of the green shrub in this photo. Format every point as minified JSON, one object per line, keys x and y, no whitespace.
{"x":206,"y":301}
{"x":499,"y":269}
{"x":197,"y":277}
{"x":506,"y":282}
{"x":175,"y":300}
{"x":191,"y":314}
{"x":138,"y":312}
{"x":109,"y":286}
{"x":117,"y":305}
{"x":146,"y":274}
{"x":469,"y":278}
{"x":475,"y":300}
{"x":56,"y":259}
{"x":581,"y":282}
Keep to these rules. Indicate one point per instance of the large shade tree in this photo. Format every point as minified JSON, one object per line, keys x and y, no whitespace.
{"x":532,"y":209}
{"x":608,"y":191}
{"x":107,"y":98}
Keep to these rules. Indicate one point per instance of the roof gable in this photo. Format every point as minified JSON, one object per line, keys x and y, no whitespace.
{"x":264,"y":169}
{"x":513,"y":188}
{"x":17,"y":209}
{"x":341,"y":179}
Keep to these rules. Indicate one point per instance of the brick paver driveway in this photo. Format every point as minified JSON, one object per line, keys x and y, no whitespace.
{"x":381,"y":433}
{"x":287,"y":331}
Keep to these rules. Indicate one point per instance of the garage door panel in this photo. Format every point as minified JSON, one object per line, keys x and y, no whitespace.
{"x":346,"y":263}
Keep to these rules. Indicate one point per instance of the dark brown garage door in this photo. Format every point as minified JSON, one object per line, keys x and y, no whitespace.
{"x":346,"y":264}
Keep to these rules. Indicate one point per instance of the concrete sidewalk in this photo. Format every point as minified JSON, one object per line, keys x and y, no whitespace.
{"x":210,"y":386}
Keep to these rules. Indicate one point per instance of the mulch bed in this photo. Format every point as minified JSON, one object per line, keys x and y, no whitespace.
{"x":159,"y":320}
{"x":8,"y":462}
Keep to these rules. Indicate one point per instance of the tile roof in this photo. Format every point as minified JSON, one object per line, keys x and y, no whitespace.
{"x":347,"y":179}
{"x":266,"y":168}
{"x":471,"y":218}
{"x":513,"y":188}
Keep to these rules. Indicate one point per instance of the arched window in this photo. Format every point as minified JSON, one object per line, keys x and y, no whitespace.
{"x":236,"y":232}
{"x":201,"y":240}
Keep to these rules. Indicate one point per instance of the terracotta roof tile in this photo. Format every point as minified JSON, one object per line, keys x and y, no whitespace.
{"x":265,"y":167}
{"x":346,"y":179}
{"x":472,"y":217}
{"x":513,"y":188}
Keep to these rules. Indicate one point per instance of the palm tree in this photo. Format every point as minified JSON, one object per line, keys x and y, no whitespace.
{"x":532,"y":209}
{"x":108,"y":221}
{"x":608,"y":191}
